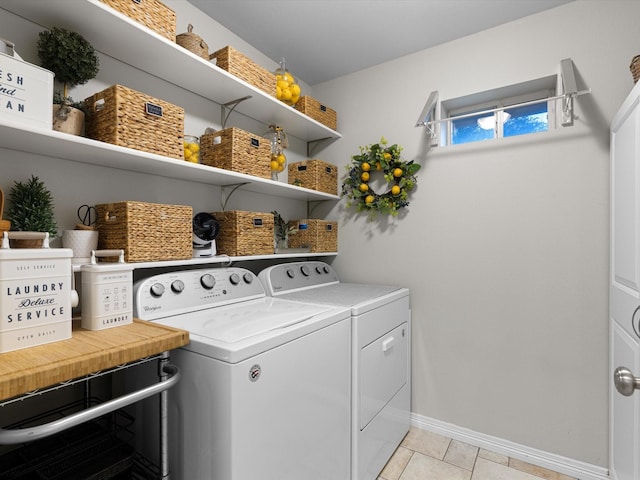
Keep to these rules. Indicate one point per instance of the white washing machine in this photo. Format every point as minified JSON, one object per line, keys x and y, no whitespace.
{"x":381,"y":354}
{"x":265,"y":388}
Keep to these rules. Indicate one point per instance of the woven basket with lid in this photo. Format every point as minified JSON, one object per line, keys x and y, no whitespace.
{"x":194,"y":43}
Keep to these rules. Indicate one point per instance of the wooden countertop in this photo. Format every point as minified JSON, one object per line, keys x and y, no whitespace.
{"x":29,"y":369}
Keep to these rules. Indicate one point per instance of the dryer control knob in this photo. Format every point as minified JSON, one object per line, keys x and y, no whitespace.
{"x":290,"y":273}
{"x":305,"y":270}
{"x":157,"y":289}
{"x":247,"y":277}
{"x":325,"y":269}
{"x":234,"y":278}
{"x":177,"y":286}
{"x":208,"y":281}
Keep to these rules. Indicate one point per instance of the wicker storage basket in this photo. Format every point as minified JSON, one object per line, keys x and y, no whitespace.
{"x":125,"y":117}
{"x":236,"y":150}
{"x":244,"y":233}
{"x":635,"y":68}
{"x":237,"y":64}
{"x":193,"y":43}
{"x":151,"y":13}
{"x":321,"y":113}
{"x":314,"y":174}
{"x":318,"y":235}
{"x":147,"y":232}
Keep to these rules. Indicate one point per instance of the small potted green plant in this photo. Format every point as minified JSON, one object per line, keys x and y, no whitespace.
{"x":31,"y":210}
{"x":73,"y":60}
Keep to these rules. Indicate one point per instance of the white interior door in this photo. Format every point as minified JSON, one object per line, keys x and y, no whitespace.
{"x":625,"y":291}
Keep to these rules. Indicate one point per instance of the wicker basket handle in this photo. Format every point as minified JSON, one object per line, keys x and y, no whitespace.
{"x":98,"y":102}
{"x":109,"y":214}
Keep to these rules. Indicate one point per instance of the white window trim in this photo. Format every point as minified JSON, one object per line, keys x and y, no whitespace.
{"x":431,"y":116}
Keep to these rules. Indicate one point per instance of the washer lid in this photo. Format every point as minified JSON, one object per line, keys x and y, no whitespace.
{"x":235,"y":332}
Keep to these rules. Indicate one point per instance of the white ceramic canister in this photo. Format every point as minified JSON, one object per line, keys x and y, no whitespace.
{"x":37,"y":293}
{"x":82,"y":242}
{"x":107,"y":292}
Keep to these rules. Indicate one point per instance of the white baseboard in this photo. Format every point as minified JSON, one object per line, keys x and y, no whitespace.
{"x":557,"y":463}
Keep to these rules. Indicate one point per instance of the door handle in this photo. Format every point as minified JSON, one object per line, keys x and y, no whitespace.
{"x":625,"y":382}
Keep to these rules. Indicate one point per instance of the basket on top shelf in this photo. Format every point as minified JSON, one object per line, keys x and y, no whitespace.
{"x":319,"y":112}
{"x":315,"y":175}
{"x":236,"y":150}
{"x":244,"y":233}
{"x":150,"y":13}
{"x":127,"y":118}
{"x":147,"y":232}
{"x":317,"y":235}
{"x":238,"y":64}
{"x":635,"y":68}
{"x":194,"y":43}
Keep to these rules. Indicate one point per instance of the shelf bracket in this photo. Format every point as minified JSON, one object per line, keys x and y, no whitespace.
{"x":313,"y":144}
{"x":311,"y":206}
{"x":227,"y":108}
{"x":234,"y":187}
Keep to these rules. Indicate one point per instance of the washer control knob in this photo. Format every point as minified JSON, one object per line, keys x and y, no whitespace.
{"x":247,"y":277}
{"x":207,"y":281}
{"x":326,"y":269}
{"x":305,"y":270}
{"x":290,"y":273}
{"x":177,"y":286}
{"x":234,"y":278}
{"x":319,"y":269}
{"x":157,"y":289}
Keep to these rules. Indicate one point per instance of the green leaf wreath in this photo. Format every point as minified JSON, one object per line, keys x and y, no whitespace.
{"x":399,"y":175}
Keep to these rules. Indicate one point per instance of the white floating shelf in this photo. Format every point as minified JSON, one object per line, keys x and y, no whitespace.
{"x":116,"y":35}
{"x":85,"y":150}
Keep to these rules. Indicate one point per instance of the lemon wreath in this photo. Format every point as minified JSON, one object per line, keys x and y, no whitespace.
{"x":399,"y":175}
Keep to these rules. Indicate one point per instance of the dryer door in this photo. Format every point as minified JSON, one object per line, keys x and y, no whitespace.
{"x":383,"y":371}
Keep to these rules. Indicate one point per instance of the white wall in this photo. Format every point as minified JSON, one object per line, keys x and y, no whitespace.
{"x":505,"y":244}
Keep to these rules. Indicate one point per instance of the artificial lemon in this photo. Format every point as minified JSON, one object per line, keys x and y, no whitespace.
{"x":387,"y":156}
{"x":369,"y":199}
{"x":274,"y":165}
{"x":364,"y":176}
{"x":287,"y":90}
{"x":363,"y":187}
{"x":281,"y":159}
{"x":365,"y":167}
{"x":191,"y":148}
{"x":282,"y":84}
{"x":395,"y":190}
{"x":397,"y":172}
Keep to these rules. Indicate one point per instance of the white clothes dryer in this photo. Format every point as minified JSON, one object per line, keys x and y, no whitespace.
{"x":265,"y":388}
{"x":381,"y":354}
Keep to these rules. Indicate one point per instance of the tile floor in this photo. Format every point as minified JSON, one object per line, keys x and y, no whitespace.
{"x":424,"y":455}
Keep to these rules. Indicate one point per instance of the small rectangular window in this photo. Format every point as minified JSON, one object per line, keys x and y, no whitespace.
{"x":505,"y":112}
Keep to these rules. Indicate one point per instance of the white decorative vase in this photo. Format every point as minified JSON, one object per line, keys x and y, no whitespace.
{"x":68,"y":119}
{"x":81,"y":242}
